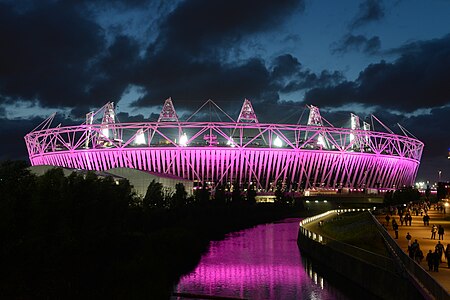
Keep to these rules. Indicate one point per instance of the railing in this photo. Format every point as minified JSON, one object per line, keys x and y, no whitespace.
{"x":367,"y":256}
{"x":428,"y":286}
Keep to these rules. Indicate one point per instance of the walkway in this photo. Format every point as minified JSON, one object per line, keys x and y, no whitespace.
{"x":423,"y":235}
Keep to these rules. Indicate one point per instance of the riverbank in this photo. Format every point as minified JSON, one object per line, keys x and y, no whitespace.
{"x":146,"y":261}
{"x":357,"y":264}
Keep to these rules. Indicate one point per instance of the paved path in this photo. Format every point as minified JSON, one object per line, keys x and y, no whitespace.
{"x":423,"y":235}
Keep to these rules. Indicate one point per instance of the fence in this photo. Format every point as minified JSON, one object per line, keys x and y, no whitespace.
{"x":429,"y":287}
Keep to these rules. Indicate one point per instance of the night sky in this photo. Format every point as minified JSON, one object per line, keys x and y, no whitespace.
{"x":387,"y":58}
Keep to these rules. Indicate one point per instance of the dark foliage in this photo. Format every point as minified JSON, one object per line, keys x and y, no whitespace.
{"x":401,"y":196}
{"x":87,"y":237}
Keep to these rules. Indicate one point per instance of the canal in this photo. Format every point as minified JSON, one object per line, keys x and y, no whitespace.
{"x":263,"y":262}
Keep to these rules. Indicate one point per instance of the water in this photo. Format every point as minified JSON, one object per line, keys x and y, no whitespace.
{"x":263,"y":262}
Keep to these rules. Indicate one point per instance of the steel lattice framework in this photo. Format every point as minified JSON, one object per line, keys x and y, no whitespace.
{"x":299,"y":156}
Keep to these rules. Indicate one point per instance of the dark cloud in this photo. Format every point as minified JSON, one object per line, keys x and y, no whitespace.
{"x":307,"y":79}
{"x":73,"y":63}
{"x":204,"y":27}
{"x":187,"y":59}
{"x":417,"y":79}
{"x":361,"y":43}
{"x":285,"y":66}
{"x":369,"y":11}
{"x":46,"y":53}
{"x":13,"y":143}
{"x":432,"y":130}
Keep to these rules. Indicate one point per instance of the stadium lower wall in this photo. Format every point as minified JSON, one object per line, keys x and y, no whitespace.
{"x":263,"y":167}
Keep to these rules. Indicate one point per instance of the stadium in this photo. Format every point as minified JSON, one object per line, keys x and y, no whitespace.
{"x":256,"y":155}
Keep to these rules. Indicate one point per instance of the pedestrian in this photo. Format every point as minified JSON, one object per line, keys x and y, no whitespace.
{"x":409,"y":219}
{"x":433,"y":232}
{"x":447,"y":255}
{"x":408,"y":238}
{"x":419,"y":256}
{"x":401,"y":220}
{"x":413,"y":249}
{"x":426,"y":220}
{"x":439,"y":249}
{"x":387,"y":220}
{"x":441,"y":232}
{"x":436,"y":261}
{"x":395,"y":227}
{"x":430,"y":260}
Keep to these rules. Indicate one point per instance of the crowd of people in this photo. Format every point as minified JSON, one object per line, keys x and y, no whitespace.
{"x":405,"y":214}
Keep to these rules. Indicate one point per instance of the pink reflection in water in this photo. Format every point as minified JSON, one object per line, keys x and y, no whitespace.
{"x":259,"y":263}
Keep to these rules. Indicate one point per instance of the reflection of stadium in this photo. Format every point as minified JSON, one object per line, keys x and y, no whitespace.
{"x":246,"y":151}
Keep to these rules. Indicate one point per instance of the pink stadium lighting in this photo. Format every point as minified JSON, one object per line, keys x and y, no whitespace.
{"x":246,"y":150}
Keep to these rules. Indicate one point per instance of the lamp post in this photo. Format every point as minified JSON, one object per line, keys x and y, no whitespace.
{"x":440,"y":175}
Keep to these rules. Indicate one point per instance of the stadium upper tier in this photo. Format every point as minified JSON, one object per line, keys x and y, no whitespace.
{"x":244,"y":151}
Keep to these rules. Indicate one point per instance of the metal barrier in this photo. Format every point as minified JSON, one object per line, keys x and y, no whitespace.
{"x":428,"y":286}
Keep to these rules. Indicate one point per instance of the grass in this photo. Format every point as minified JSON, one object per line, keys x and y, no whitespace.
{"x":356,"y":229}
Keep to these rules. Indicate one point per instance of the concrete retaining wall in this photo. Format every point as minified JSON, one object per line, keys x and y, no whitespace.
{"x":379,"y":278}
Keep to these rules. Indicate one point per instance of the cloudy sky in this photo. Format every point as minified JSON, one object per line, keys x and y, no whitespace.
{"x":387,"y":58}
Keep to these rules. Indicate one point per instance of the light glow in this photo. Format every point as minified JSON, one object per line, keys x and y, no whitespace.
{"x":140,"y":138}
{"x":183,"y":140}
{"x":277,"y":142}
{"x":231,"y":143}
{"x":321,"y":141}
{"x":105,"y":132}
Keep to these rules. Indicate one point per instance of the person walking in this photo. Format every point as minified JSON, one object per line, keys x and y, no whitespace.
{"x":436,"y":261}
{"x":441,"y":232}
{"x":426,"y":220}
{"x":430,"y":260}
{"x":408,"y":238}
{"x":447,"y":255}
{"x":413,"y":249}
{"x":387,"y":218}
{"x":439,"y":249}
{"x":395,"y":227}
{"x":433,"y":232}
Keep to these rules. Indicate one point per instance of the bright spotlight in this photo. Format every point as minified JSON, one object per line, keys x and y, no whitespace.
{"x":183,"y":140}
{"x":231,"y":143}
{"x":105,"y":132}
{"x":277,"y":142}
{"x":140,"y":138}
{"x":321,"y":141}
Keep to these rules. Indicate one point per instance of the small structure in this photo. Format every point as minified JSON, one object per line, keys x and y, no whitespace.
{"x":139,"y":180}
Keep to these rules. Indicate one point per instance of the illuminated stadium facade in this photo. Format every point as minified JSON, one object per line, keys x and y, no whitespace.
{"x":245,"y":151}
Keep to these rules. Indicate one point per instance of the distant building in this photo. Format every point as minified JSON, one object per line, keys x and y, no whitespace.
{"x":139,"y":180}
{"x":227,"y":152}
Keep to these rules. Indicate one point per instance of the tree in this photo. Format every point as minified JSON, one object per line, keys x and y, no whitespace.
{"x":251,"y":195}
{"x":154,"y":197}
{"x":17,"y":187}
{"x":179,"y":197}
{"x":279,"y":198}
{"x":236,"y":194}
{"x":202,"y":195}
{"x":441,"y":191}
{"x":219,"y":196}
{"x":428,"y":192}
{"x":403,"y":195}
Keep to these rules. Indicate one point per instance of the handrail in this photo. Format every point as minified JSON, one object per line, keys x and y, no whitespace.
{"x":426,"y":284}
{"x":367,"y":256}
